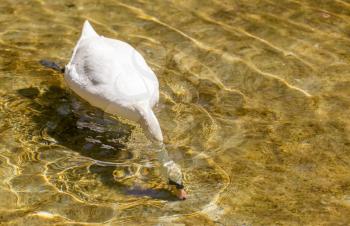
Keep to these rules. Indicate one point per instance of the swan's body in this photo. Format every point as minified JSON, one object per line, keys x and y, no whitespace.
{"x":113,"y":76}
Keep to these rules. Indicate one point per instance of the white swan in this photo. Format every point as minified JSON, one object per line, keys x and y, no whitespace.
{"x":113,"y":76}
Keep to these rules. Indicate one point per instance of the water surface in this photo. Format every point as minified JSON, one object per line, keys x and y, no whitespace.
{"x":254,"y":107}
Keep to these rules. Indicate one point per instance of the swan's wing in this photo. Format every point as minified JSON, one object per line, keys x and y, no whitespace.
{"x":137,"y":63}
{"x":149,"y":75}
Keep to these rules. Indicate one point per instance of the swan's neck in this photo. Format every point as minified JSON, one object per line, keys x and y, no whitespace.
{"x":168,"y":168}
{"x":149,"y":123}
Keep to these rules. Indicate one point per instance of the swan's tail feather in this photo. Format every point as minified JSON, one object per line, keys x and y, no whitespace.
{"x":88,"y":30}
{"x":52,"y":65}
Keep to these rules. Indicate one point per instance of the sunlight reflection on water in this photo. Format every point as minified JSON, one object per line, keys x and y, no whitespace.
{"x":254,"y":106}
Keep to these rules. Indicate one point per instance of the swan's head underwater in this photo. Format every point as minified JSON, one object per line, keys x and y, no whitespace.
{"x":175,"y":178}
{"x":172,"y":172}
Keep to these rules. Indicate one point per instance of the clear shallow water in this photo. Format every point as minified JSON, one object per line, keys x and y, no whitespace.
{"x":254,"y":107}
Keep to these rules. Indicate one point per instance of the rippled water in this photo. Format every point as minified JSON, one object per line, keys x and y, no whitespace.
{"x":254,"y":107}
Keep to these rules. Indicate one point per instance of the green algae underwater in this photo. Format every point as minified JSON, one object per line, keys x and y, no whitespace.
{"x":254,"y":106}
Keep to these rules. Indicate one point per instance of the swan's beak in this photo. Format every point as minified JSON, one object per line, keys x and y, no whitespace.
{"x":180,"y":190}
{"x":181,"y":194}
